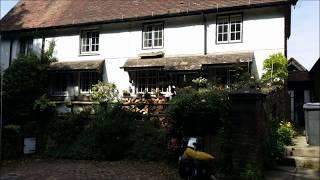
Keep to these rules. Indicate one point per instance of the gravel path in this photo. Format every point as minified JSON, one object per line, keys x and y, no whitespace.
{"x":40,"y":169}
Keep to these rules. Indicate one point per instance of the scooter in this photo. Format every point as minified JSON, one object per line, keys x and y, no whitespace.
{"x":194,"y":163}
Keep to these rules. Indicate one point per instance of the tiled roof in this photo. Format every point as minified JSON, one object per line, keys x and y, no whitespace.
{"x":30,"y":14}
{"x":189,"y":62}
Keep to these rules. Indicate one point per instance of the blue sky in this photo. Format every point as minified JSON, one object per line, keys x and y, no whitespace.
{"x":303,"y":44}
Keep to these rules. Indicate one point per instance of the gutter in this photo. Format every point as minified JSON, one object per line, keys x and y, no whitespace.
{"x":150,"y":17}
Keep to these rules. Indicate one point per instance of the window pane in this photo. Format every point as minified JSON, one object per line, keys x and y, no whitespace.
{"x":238,"y":36}
{"x":233,"y":27}
{"x":219,"y":29}
{"x":219,"y":37}
{"x":225,"y":37}
{"x":156,"y":34}
{"x":160,"y":42}
{"x":156,"y":42}
{"x":232,"y":36}
{"x":238,"y":27}
{"x":225,"y":28}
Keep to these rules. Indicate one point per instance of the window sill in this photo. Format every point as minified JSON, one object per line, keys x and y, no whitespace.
{"x":153,"y":48}
{"x":89,"y":54}
{"x":229,"y":42}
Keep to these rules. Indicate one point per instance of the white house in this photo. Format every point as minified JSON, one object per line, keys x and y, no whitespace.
{"x":142,"y":45}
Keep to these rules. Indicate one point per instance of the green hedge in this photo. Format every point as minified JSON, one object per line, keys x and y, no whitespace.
{"x":198,"y":112}
{"x":112,"y":134}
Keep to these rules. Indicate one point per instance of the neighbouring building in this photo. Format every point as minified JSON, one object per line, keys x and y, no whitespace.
{"x":315,"y":77}
{"x":299,"y":88}
{"x":142,"y":45}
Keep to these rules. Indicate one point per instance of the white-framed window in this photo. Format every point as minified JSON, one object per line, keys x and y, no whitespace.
{"x":89,"y":42}
{"x":152,"y":36}
{"x":26,"y":46}
{"x":87,"y":79}
{"x":229,"y":28}
{"x":149,"y":80}
{"x":58,"y":83}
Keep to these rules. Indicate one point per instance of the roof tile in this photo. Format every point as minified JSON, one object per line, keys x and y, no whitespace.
{"x":29,"y":14}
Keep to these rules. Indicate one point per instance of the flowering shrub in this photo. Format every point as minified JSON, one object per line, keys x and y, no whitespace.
{"x":285,"y":132}
{"x":200,"y":82}
{"x":105,"y":92}
{"x":282,"y":134}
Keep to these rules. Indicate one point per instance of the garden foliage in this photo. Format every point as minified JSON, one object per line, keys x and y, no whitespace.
{"x":282,"y":134}
{"x":275,"y":67}
{"x":112,"y":134}
{"x":24,"y":81}
{"x":198,"y":112}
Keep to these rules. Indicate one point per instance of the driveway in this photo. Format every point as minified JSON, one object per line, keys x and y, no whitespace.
{"x":40,"y":169}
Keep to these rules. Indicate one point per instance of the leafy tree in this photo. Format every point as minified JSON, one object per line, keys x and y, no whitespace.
{"x":275,"y":67}
{"x":23,"y":82}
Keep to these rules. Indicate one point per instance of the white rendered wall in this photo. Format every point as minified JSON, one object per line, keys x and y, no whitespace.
{"x":4,"y":54}
{"x":263,"y":33}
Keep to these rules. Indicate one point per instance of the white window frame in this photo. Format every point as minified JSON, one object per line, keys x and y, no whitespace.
{"x":228,"y":21}
{"x":93,"y":42}
{"x":153,"y":32}
{"x":90,"y":81}
{"x":148,"y":85}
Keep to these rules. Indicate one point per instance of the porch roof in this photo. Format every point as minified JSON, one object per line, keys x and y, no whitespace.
{"x":188,"y":63}
{"x":93,"y":65}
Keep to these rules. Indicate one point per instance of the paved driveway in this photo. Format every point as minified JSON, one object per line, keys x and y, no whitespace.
{"x":71,"y":169}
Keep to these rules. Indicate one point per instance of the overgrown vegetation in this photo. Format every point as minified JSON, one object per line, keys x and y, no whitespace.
{"x":196,"y":112}
{"x":112,"y":135}
{"x":24,"y":81}
{"x":282,"y":134}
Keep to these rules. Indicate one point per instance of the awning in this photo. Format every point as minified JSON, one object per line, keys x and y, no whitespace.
{"x":188,"y":62}
{"x":94,"y":65}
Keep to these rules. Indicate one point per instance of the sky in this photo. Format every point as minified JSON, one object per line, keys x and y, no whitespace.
{"x":303,"y":44}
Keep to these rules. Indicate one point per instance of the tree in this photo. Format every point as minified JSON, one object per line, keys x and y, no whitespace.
{"x":24,"y":82}
{"x":275,"y":67}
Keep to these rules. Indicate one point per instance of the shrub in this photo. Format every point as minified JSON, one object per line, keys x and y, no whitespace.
{"x":250,"y":173}
{"x":198,"y":112}
{"x":63,"y":132}
{"x":12,"y":142}
{"x":282,"y":134}
{"x":112,"y":130}
{"x":107,"y":137}
{"x":105,"y":92}
{"x":25,"y":81}
{"x":149,"y":142}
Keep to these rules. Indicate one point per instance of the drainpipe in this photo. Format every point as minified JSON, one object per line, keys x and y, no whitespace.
{"x":205,"y":32}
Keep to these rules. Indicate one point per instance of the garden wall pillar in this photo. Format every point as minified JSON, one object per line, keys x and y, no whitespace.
{"x":248,"y":130}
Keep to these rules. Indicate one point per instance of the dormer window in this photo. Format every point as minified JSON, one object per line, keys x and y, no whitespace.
{"x":152,"y":36}
{"x":89,"y":42}
{"x":229,"y":28}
